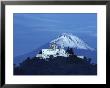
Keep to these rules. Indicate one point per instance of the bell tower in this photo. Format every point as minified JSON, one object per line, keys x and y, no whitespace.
{"x":53,"y":45}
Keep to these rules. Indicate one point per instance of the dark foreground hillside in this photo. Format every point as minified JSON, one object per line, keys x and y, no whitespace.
{"x":56,"y":66}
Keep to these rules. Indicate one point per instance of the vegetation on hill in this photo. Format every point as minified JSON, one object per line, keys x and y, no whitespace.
{"x":71,"y":65}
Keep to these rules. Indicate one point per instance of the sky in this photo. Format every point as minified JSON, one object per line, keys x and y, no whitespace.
{"x":32,"y":30}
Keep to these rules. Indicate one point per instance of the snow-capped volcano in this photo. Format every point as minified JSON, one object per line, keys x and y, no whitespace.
{"x":69,"y":40}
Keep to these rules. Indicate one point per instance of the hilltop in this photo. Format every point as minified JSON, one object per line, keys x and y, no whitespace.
{"x":56,"y":66}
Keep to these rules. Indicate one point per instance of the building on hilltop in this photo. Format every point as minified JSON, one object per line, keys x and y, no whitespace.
{"x":53,"y":51}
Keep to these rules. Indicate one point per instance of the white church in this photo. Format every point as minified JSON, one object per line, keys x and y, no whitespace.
{"x":53,"y":51}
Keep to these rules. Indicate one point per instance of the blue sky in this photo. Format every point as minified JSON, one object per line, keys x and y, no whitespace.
{"x":34,"y":30}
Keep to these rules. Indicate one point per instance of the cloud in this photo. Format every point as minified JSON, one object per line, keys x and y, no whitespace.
{"x":39,"y":17}
{"x":42,"y":22}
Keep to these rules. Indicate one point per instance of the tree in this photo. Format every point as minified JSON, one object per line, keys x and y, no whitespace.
{"x":89,"y":60}
{"x":70,"y":51}
{"x":28,"y":58}
{"x":51,"y":56}
{"x":40,"y":52}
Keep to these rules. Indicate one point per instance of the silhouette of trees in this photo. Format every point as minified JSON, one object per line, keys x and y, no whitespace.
{"x":51,"y":56}
{"x":40,"y":52}
{"x":70,"y":51}
{"x":56,"y":66}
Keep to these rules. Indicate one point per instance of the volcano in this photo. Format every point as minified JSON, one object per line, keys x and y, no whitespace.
{"x":72,"y":41}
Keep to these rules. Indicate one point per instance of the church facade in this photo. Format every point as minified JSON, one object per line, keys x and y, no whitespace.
{"x":53,"y":51}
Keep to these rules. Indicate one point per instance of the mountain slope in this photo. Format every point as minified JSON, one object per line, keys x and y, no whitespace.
{"x":56,"y":66}
{"x":21,"y":58}
{"x":69,"y":40}
{"x":66,"y":40}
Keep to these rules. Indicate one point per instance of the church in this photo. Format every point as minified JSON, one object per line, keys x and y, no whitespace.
{"x":53,"y":51}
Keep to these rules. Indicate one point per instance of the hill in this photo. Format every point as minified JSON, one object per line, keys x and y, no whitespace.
{"x":71,"y":65}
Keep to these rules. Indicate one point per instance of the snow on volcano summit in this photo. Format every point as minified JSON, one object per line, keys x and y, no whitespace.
{"x":69,"y":40}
